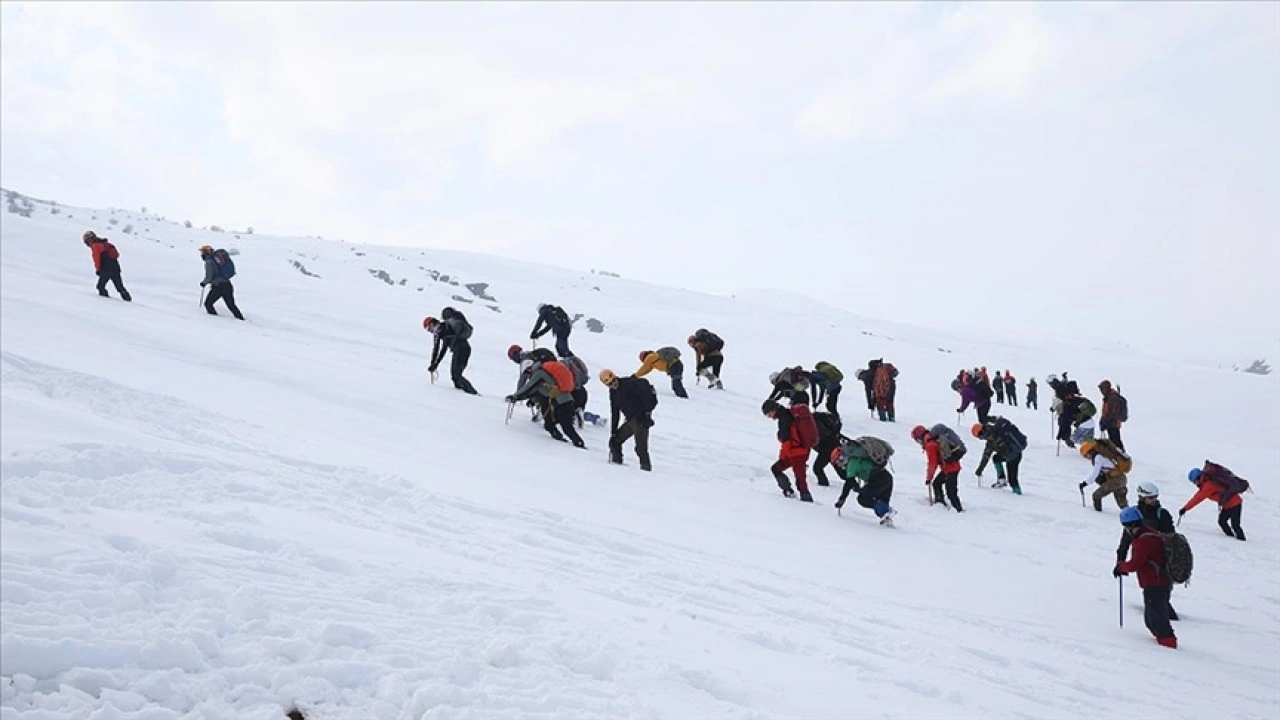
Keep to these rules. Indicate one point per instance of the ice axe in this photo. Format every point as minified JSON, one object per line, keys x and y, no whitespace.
{"x":1121,"y":581}
{"x":511,"y":408}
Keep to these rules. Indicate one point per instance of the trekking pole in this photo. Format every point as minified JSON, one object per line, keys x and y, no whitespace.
{"x":433,"y":377}
{"x":511,"y":408}
{"x":1082,"y":497}
{"x":1121,"y":581}
{"x":201,"y":296}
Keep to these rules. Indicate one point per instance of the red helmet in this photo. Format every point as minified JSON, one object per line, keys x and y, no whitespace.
{"x":976,"y":430}
{"x":644,"y":354}
{"x":837,"y":457}
{"x":918,"y":432}
{"x":513,"y":353}
{"x":429,"y":322}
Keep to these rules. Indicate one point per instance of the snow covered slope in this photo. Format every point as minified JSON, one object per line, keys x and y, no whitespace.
{"x":202,"y":518}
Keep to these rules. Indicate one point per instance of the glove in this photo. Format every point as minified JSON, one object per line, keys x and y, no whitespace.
{"x":1083,"y":483}
{"x":1117,"y":572}
{"x":203,"y":283}
{"x":978,"y":473}
{"x":958,"y":411}
{"x":1182,"y":511}
{"x":511,"y":399}
{"x":432,"y":367}
{"x":647,"y":420}
{"x":839,"y":504}
{"x":532,"y":336}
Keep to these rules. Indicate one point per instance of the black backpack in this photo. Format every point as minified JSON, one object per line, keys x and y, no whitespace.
{"x":1003,"y":427}
{"x":829,"y":425}
{"x":650,"y":397}
{"x":710,"y":340}
{"x":464,"y":327}
{"x":559,"y":317}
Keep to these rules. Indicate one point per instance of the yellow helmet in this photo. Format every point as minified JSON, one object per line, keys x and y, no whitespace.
{"x":1087,"y":447}
{"x":607,"y":377}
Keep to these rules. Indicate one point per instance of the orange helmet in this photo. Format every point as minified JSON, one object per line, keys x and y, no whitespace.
{"x":429,"y":322}
{"x":976,"y":430}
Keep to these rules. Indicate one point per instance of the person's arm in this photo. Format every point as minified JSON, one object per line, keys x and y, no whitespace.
{"x":614,"y":411}
{"x":986,"y":456}
{"x":1206,"y":489}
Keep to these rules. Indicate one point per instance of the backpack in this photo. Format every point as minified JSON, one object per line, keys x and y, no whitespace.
{"x":562,"y":374}
{"x":950,"y":446}
{"x":712,"y":341}
{"x":226,"y":266}
{"x":874,"y":449}
{"x":831,"y":372}
{"x":1004,"y":428}
{"x":1124,"y":463}
{"x":542,"y":355}
{"x":1231,"y":484}
{"x":828,"y":425}
{"x":669,"y":355}
{"x":1122,"y":407}
{"x":1084,"y":410}
{"x":464,"y":327}
{"x":111,"y":252}
{"x":1177,"y":557}
{"x":806,"y":427}
{"x":559,"y":317}
{"x":580,"y":373}
{"x":650,"y":398}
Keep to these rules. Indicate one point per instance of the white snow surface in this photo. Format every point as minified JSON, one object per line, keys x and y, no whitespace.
{"x":203,"y":518}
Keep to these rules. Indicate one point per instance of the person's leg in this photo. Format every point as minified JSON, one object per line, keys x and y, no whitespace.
{"x":951,"y":482}
{"x":229,"y":296}
{"x":624,"y":433}
{"x":642,"y":443}
{"x":102,"y":285}
{"x":1011,"y":474}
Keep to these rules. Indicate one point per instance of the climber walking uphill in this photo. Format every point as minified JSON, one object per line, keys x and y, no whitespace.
{"x":635,"y":400}
{"x":553,"y":319}
{"x":1149,"y":562}
{"x":1115,"y":412}
{"x":879,"y":379}
{"x":829,"y":426}
{"x":826,"y":379}
{"x":943,"y":448}
{"x":667,"y":360}
{"x":1011,"y":388}
{"x":553,"y":380}
{"x":1154,"y":517}
{"x":708,"y":348}
{"x":973,"y":389}
{"x":1005,"y":444}
{"x":106,"y":263}
{"x":1111,"y":467}
{"x":861,"y":462}
{"x":1224,"y":487}
{"x":452,"y":335}
{"x":797,"y":435}
{"x":787,"y":381}
{"x":219,"y":268}
{"x":1033,"y":401}
{"x":998,"y":385}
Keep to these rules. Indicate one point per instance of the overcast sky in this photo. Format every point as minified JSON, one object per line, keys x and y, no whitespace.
{"x":995,"y":167}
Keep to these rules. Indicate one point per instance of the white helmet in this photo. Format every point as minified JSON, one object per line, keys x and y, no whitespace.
{"x":1148,"y":490}
{"x":1051,"y":379}
{"x":773,"y":378}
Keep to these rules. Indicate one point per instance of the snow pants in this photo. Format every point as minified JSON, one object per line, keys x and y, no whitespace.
{"x":1113,"y":434}
{"x":637,"y":428}
{"x":1012,"y":394}
{"x":461,"y":350}
{"x":797,"y":459}
{"x":825,"y":446}
{"x":675,"y":371}
{"x":1117,"y":486}
{"x":1229,"y":521}
{"x":562,"y":343}
{"x":1155,"y":610}
{"x":948,"y":481}
{"x":712,"y":363}
{"x":112,"y":276}
{"x":227,"y":293}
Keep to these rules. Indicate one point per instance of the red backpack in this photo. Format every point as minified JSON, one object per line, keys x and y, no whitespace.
{"x":805,"y":426}
{"x":562,"y":374}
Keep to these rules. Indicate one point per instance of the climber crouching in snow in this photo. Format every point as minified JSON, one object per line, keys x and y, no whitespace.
{"x":864,"y":460}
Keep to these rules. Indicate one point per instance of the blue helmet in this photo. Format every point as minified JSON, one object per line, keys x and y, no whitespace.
{"x":1130,"y":515}
{"x":1194,"y":475}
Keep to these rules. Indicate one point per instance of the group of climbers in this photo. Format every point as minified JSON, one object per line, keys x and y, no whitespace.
{"x":219,"y":268}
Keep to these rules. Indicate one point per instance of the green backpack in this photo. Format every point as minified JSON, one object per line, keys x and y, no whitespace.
{"x":831,"y":372}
